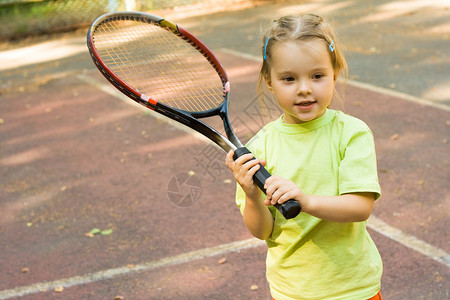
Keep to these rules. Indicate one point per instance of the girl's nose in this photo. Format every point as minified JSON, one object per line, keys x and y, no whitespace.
{"x":304,"y":88}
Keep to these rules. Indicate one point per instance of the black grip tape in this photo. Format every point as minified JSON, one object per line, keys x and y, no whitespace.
{"x":289,"y":209}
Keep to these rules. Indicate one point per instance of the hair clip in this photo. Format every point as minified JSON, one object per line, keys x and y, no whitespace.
{"x":265,"y":48}
{"x":332,"y":46}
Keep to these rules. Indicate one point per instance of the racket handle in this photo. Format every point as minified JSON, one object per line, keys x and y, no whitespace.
{"x":289,"y":209}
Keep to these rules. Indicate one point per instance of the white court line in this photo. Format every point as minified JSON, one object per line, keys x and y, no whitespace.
{"x":122,"y":271}
{"x":409,"y":241}
{"x":374,"y":223}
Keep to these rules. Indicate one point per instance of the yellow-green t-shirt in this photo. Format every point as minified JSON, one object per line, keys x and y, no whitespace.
{"x":309,"y":258}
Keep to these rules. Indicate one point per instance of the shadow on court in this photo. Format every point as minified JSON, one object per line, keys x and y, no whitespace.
{"x":96,"y":201}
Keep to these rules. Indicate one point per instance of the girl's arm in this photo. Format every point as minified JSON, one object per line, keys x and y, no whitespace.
{"x":256,"y":215}
{"x":355,"y":207}
{"x":257,"y":218}
{"x":347,"y":208}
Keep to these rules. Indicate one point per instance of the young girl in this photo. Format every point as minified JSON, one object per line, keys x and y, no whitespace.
{"x":322,"y":158}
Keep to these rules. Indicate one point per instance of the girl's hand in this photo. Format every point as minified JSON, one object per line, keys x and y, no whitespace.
{"x":257,"y":217}
{"x":280,"y":190}
{"x":243,"y":170}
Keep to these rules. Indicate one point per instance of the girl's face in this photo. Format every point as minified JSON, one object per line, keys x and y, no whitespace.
{"x":302,"y":79}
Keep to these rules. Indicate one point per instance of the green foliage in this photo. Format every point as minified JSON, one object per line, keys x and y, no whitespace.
{"x":22,"y":17}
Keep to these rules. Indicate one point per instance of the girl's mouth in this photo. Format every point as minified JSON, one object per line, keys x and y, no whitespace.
{"x":305,"y":104}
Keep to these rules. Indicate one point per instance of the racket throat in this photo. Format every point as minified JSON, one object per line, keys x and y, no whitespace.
{"x":229,"y":129}
{"x":232,"y":136}
{"x":199,"y":127}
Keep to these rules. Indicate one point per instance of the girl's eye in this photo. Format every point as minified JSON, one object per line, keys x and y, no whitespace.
{"x":288,"y":78}
{"x":317,"y":76}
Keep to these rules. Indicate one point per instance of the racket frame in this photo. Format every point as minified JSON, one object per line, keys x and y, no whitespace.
{"x":185,"y":117}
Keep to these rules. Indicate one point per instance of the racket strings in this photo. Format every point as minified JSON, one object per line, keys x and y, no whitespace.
{"x":198,"y":48}
{"x":156,"y":62}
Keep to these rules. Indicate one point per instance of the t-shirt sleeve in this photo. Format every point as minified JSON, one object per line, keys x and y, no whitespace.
{"x":358,"y":168}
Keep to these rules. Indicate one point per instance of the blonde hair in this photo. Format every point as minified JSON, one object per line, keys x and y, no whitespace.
{"x":301,"y":28}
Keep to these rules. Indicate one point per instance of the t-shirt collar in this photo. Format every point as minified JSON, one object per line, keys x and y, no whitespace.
{"x":304,"y":127}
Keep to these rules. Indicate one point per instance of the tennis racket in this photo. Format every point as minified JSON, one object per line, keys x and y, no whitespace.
{"x":166,"y":69}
